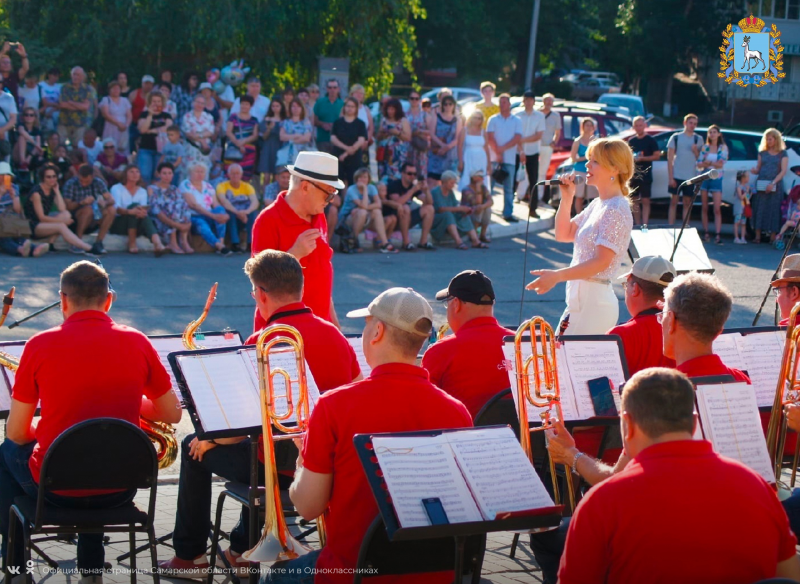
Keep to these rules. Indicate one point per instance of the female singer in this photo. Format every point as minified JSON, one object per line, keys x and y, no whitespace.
{"x":601,"y":234}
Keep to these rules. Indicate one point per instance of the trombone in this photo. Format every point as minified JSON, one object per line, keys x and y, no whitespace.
{"x":188,"y":334}
{"x":545,"y":392}
{"x":277,"y":543}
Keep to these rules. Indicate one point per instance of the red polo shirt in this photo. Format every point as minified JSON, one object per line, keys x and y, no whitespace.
{"x":389,"y":400}
{"x":88,"y":367}
{"x":278,"y":227}
{"x":710,"y":365}
{"x":677,"y":513}
{"x":642,"y":341}
{"x":469,"y":363}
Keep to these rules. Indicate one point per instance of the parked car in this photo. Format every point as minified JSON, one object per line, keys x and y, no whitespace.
{"x":633,"y":103}
{"x":611,"y":78}
{"x":572,"y":76}
{"x":742,"y":152}
{"x":459,"y":93}
{"x":591,"y":88}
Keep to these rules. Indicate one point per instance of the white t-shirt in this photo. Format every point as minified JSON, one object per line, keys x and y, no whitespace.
{"x":258,"y":111}
{"x":531,"y":123}
{"x":29,"y":96}
{"x":124,"y":199}
{"x":50,"y":92}
{"x":93,"y":152}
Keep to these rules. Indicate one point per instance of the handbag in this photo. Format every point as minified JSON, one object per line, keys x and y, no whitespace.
{"x":419,"y":143}
{"x":748,"y":211}
{"x":232,"y":151}
{"x":499,"y":174}
{"x":380,"y":153}
{"x":13,"y":225}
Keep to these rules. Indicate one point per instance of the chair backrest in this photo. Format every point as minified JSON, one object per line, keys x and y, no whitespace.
{"x":777,"y":581}
{"x":103,"y":453}
{"x":497,"y":411}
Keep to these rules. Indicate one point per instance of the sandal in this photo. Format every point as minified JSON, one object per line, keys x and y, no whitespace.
{"x":427,"y":246}
{"x":707,"y":237}
{"x":388,"y":248}
{"x":717,"y":240}
{"x":133,"y":250}
{"x":481,"y":245}
{"x":409,"y":247}
{"x":462,"y":246}
{"x":486,"y":239}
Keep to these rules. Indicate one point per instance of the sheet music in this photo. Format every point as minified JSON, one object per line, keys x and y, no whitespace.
{"x":417,"y":468}
{"x":733,"y":425}
{"x":588,"y":360}
{"x":222,"y":391}
{"x":485,"y":455}
{"x":726,"y":346}
{"x":16,"y":351}
{"x":762,"y":354}
{"x":356,"y":343}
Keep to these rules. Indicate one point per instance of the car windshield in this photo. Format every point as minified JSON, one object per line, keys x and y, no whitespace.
{"x":614,"y":126}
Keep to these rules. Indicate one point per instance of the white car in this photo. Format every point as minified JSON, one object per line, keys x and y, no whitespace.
{"x":458,"y":92}
{"x":633,"y":103}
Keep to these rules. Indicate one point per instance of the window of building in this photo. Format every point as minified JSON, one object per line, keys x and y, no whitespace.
{"x":793,"y":9}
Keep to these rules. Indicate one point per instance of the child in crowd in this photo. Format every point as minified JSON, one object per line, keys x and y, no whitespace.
{"x":478,"y":197}
{"x":741,"y":202}
{"x":792,"y":217}
{"x":174,"y":152}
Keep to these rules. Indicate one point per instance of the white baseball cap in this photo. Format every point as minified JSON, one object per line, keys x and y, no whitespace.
{"x":402,"y":308}
{"x":652,"y":269}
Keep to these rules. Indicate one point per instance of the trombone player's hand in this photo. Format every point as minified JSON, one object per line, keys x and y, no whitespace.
{"x":561,"y":444}
{"x":198,"y":448}
{"x":793,"y":416}
{"x":299,"y":443}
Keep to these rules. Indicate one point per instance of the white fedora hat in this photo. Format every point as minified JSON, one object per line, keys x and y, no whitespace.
{"x":317,"y":167}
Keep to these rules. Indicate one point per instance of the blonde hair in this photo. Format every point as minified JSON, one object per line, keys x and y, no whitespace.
{"x":778,"y":140}
{"x":477,"y":114}
{"x":615,"y":155}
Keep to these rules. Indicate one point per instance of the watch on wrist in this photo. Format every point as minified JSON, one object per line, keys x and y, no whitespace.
{"x":575,"y":461}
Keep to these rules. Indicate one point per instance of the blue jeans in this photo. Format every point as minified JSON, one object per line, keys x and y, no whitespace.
{"x":298,"y":571}
{"x":10,"y":245}
{"x":792,"y":508}
{"x":547,"y":548}
{"x":16,"y":481}
{"x":209,"y":229}
{"x":147,"y":160}
{"x":234,"y":225}
{"x":508,"y":189}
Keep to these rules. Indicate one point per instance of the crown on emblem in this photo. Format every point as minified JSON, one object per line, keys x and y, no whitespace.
{"x":751,"y":24}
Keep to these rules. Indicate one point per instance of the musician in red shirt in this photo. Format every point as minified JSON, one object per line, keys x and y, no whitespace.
{"x":296,"y":223}
{"x":469,"y":363}
{"x":641,"y":336}
{"x":277,"y":281}
{"x":88,"y":367}
{"x":396,"y":397}
{"x":620,"y":534}
{"x":787,"y":287}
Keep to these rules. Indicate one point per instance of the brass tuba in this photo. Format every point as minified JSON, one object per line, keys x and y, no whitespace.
{"x":545,"y":393}
{"x":277,"y":543}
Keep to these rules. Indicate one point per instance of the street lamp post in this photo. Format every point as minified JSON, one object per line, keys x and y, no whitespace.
{"x":532,"y":45}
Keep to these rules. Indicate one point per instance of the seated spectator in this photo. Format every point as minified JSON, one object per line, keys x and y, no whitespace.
{"x":116,"y":110}
{"x":62,"y":162}
{"x":174,"y":153}
{"x":90,"y":145}
{"x":29,"y":154}
{"x":169,"y":210}
{"x":110,"y":163}
{"x":399,"y":201}
{"x":11,"y":207}
{"x":362,"y":209}
{"x":332,"y":212}
{"x":45,"y":196}
{"x":281,"y":183}
{"x":242,"y":132}
{"x":208,"y":217}
{"x":239,"y":200}
{"x":77,"y":158}
{"x":478,"y":198}
{"x":92,"y":206}
{"x":132,"y":211}
{"x":452,"y":218}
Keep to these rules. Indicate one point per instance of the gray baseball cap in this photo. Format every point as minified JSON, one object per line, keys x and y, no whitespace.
{"x":402,"y":308}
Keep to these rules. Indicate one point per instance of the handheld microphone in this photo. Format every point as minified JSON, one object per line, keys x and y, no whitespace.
{"x":555,"y":182}
{"x":709,"y":175}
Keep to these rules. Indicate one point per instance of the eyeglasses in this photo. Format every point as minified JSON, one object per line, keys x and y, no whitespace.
{"x":413,"y":99}
{"x":28,"y":115}
{"x":253,"y":291}
{"x":332,"y":87}
{"x":448,"y":300}
{"x":329,"y":195}
{"x":777,"y":288}
{"x":407,"y":173}
{"x":662,"y":315}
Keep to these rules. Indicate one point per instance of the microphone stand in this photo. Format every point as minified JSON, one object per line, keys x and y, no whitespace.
{"x":37,"y":313}
{"x":687,"y":216}
{"x":776,"y":274}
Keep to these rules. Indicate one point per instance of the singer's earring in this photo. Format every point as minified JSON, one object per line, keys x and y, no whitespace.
{"x":612,"y":179}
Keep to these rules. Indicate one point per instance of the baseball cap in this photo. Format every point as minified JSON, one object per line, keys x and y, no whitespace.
{"x":147,"y":78}
{"x":205,"y":85}
{"x":109,"y":142}
{"x":470,"y":286}
{"x":529,"y":93}
{"x":652,"y":269}
{"x":402,"y":308}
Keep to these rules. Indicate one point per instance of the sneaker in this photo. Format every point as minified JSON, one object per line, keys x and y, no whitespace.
{"x":224,"y":251}
{"x":76,"y":250}
{"x":236,"y":249}
{"x":737,"y":240}
{"x":98,"y":248}
{"x":196,"y":569}
{"x":234,"y":561}
{"x":511,"y":219}
{"x":427,"y":246}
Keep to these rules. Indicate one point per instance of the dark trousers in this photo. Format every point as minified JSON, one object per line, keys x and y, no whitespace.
{"x":122,"y":223}
{"x":16,"y":481}
{"x":231,"y":462}
{"x":547,"y":548}
{"x":532,"y":170}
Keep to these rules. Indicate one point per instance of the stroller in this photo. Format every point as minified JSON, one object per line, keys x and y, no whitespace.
{"x":792,"y":213}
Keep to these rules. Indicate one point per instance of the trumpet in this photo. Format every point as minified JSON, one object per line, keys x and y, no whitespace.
{"x":192,"y":327}
{"x":545,"y":393}
{"x":277,"y":543}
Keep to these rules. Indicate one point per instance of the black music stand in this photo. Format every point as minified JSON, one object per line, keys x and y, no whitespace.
{"x":545,"y":517}
{"x":683,"y":247}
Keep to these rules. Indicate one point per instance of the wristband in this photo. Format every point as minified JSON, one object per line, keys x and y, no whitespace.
{"x":214,"y":442}
{"x":575,"y":461}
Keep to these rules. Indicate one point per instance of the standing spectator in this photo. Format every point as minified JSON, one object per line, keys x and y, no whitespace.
{"x":399,"y":201}
{"x":579,"y":158}
{"x":166,"y":90}
{"x":770,"y":170}
{"x":166,"y":76}
{"x":169,"y":210}
{"x":91,"y":205}
{"x":295,"y":133}
{"x":211,"y":106}
{"x":683,"y":150}
{"x":261,"y":104}
{"x":208,"y":217}
{"x":75,"y":102}
{"x":533,"y":127}
{"x":452,"y":218}
{"x":420,"y":123}
{"x":29,"y":153}
{"x":477,"y":197}
{"x":645,"y":151}
{"x":225,"y":102}
{"x":313,"y":96}
{"x":361,"y":210}
{"x":239,"y":200}
{"x":111,"y":163}
{"x":124,"y":88}
{"x":29,"y":94}
{"x":153,"y":124}
{"x":133,"y":212}
{"x":487,"y":107}
{"x":8,"y":121}
{"x":444,"y":128}
{"x":287,"y":97}
{"x":473,"y":151}
{"x":394,"y":141}
{"x":45,"y":196}
{"x":198,"y":127}
{"x":183,"y":95}
{"x":11,"y":207}
{"x":281,"y":183}
{"x":13,"y":78}
{"x":552,"y":132}
{"x":90,"y":145}
{"x":504,"y":132}
{"x":174,"y":152}
{"x":348,"y":136}
{"x":713,"y":155}
{"x":140,"y":98}
{"x":269,"y":131}
{"x":51,"y":94}
{"x":741,"y":200}
{"x":426,"y":105}
{"x":116,"y":110}
{"x":326,"y":111}
{"x":357,"y":91}
{"x":242,"y":132}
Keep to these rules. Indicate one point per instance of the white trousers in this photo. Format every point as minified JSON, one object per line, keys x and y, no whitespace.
{"x":545,"y":154}
{"x":592,"y":308}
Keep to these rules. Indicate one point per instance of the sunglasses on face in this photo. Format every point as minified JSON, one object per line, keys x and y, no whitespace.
{"x":328,"y":194}
{"x":28,"y":115}
{"x":413,"y":99}
{"x":410,"y":173}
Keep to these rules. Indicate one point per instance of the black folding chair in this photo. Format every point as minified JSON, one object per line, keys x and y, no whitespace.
{"x":104,"y":453}
{"x":383,"y":557}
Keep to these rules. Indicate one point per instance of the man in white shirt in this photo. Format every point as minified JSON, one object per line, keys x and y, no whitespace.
{"x":261,"y":103}
{"x":533,"y":127}
{"x":552,"y":132}
{"x":504,"y":133}
{"x":683,"y":150}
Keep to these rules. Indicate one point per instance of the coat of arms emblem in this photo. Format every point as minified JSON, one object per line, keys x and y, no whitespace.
{"x":751,"y":53}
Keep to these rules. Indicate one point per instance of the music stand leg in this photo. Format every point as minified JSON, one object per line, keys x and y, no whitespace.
{"x":160,"y":540}
{"x":686,"y":216}
{"x":50,"y":561}
{"x":459,"y":567}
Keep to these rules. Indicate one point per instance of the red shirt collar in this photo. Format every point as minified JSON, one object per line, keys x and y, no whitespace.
{"x":287,"y":214}
{"x":676,"y":449}
{"x":479,"y":321}
{"x":709,"y":363}
{"x":400,"y":369}
{"x":88,"y":315}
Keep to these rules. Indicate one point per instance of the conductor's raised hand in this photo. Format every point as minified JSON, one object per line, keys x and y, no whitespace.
{"x":546,"y":280}
{"x":561,"y":444}
{"x":567,"y":185}
{"x":305,"y":243}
